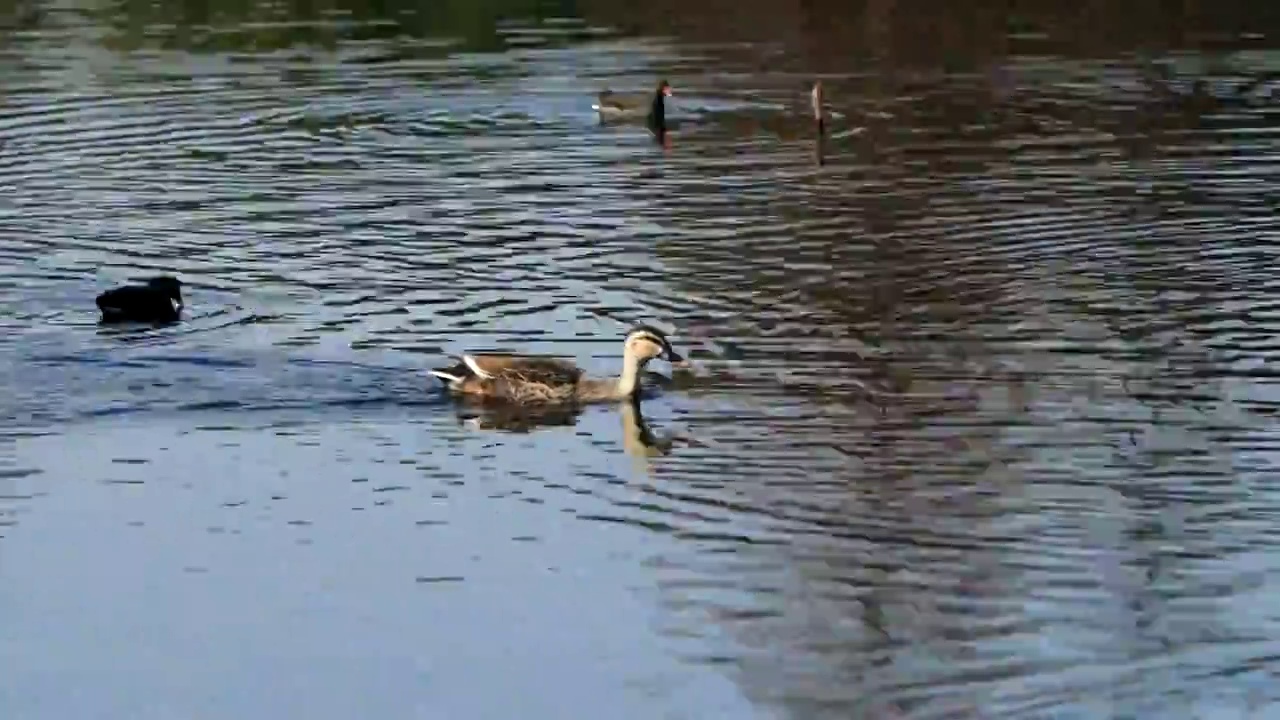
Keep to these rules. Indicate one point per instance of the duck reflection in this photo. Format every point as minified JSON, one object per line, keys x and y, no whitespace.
{"x":518,"y":419}
{"x":638,"y":439}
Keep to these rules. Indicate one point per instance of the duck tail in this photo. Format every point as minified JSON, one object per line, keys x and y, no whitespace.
{"x":453,"y":374}
{"x":447,"y":376}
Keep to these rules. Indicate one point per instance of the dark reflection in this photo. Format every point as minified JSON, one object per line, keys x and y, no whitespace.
{"x":252,"y":27}
{"x":20,"y":15}
{"x":513,"y":418}
{"x":949,"y":342}
{"x":835,"y":35}
{"x":637,"y":437}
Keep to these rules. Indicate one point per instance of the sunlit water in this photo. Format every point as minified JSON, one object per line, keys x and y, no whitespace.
{"x":981,"y":423}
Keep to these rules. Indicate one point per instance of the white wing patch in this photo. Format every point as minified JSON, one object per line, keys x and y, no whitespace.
{"x":447,"y":377}
{"x":475,"y":367}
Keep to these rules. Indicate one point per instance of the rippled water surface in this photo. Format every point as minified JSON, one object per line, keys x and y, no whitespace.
{"x":981,"y":422}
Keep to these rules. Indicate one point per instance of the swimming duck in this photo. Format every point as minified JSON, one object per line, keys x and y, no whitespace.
{"x":531,"y":379}
{"x":613,"y":106}
{"x":160,"y":300}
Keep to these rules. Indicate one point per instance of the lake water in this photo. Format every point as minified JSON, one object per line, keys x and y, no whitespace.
{"x":981,"y":423}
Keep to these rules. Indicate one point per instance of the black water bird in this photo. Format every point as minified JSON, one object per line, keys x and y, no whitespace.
{"x":160,"y":300}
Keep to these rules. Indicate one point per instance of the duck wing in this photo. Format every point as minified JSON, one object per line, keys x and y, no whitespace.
{"x":454,"y":374}
{"x":523,"y":369}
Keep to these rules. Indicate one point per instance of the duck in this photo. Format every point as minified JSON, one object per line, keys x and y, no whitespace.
{"x":529,"y":379}
{"x":614,"y":106}
{"x":159,"y":300}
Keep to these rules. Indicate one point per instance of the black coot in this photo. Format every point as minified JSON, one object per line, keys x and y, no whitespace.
{"x":160,"y":300}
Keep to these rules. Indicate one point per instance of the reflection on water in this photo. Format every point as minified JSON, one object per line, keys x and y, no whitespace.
{"x":981,"y":422}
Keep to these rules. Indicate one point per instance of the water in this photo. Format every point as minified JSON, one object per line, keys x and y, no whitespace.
{"x":981,"y":423}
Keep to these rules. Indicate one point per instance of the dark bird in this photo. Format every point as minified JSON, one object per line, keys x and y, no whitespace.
{"x":613,"y":106}
{"x":160,"y":300}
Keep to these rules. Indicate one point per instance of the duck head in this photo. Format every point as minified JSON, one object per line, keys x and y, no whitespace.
{"x":645,"y":343}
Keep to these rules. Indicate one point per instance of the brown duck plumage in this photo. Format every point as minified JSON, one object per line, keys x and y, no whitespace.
{"x":534,"y":379}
